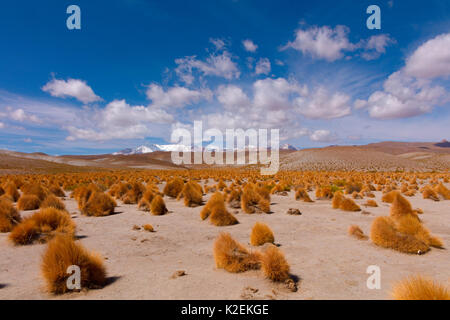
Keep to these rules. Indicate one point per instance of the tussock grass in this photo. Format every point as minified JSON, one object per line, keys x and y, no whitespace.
{"x":158,"y":207}
{"x":9,"y":217}
{"x":355,"y":231}
{"x":28,"y":202}
{"x":274,"y":264}
{"x":418,"y":287}
{"x":63,"y":252}
{"x":261,"y":234}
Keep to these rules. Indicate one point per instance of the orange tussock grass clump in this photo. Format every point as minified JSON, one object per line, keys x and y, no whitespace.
{"x":134,"y":194}
{"x":443,"y":191}
{"x":43,"y":226}
{"x":341,"y":202}
{"x":251,"y":200}
{"x":418,"y":287}
{"x":158,"y":207}
{"x":401,"y":206}
{"x":148,"y":227}
{"x":261,"y":234}
{"x":54,"y":202}
{"x":146,"y":200}
{"x":215,"y":200}
{"x":35,"y":189}
{"x":11,"y":191}
{"x":216,"y":210}
{"x":301,"y":194}
{"x":429,"y":193}
{"x":405,"y":234}
{"x":233,"y":256}
{"x":355,"y":231}
{"x":28,"y":202}
{"x":173,"y":187}
{"x":371,"y":203}
{"x":324,"y":192}
{"x":99,"y":204}
{"x":264,"y":205}
{"x":9,"y":217}
{"x":63,"y":252}
{"x":389,"y":196}
{"x":57,"y":191}
{"x":192,"y":194}
{"x":274,"y":264}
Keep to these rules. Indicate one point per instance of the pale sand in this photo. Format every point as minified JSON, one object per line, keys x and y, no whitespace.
{"x":329,"y":263}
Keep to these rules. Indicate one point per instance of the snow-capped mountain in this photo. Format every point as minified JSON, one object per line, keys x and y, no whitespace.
{"x":288,"y":146}
{"x":152,"y":148}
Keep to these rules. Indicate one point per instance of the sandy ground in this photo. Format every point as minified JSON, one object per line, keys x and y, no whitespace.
{"x":329,"y":263}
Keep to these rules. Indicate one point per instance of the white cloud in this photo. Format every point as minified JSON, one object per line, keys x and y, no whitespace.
{"x":119,"y":120}
{"x":262,"y":66}
{"x":273,"y":94}
{"x":218,"y":43}
{"x":322,"y":136}
{"x":249,"y":45}
{"x":322,"y":42}
{"x":219,"y":65}
{"x":404,"y":97}
{"x":320,"y":104}
{"x":431,"y":59}
{"x":21,"y":116}
{"x":71,"y":88}
{"x":410,"y":91}
{"x":176,"y":97}
{"x":233,"y":98}
{"x":332,"y":44}
{"x":2,"y":125}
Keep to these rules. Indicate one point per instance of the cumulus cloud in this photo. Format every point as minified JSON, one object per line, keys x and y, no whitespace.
{"x":321,"y":104}
{"x":233,"y":98}
{"x":410,"y":91}
{"x":323,"y":42}
{"x":217,"y":64}
{"x":21,"y":116}
{"x":74,"y":88}
{"x":119,"y":120}
{"x":262,"y":66}
{"x":431,"y":59}
{"x":331,"y":44}
{"x":322,"y":136}
{"x":249,"y":45}
{"x":176,"y":97}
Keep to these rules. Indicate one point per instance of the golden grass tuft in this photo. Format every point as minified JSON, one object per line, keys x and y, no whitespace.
{"x":301,"y":194}
{"x":158,"y":207}
{"x":221,"y":217}
{"x":355,"y":231}
{"x":9,"y":217}
{"x":11,"y":191}
{"x":99,"y":204}
{"x":389,"y":196}
{"x":261,"y":234}
{"x":371,"y":203}
{"x":274,"y":264}
{"x":43,"y":226}
{"x":233,"y":256}
{"x":192,"y":194}
{"x":54,"y":202}
{"x":418,"y":287}
{"x":429,"y":193}
{"x":443,"y":191}
{"x":341,"y":202}
{"x":401,"y":206}
{"x":173,"y":187}
{"x":28,"y":202}
{"x":63,"y":252}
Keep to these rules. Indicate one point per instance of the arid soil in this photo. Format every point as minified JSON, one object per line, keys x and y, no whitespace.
{"x":326,"y":261}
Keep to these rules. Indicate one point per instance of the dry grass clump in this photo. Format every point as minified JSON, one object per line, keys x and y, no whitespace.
{"x":233,"y":256}
{"x":43,"y":226}
{"x":371,"y":203}
{"x":429,"y":193}
{"x":355,"y":231}
{"x":325,"y":192}
{"x":134,"y":194}
{"x":98,"y":204}
{"x":63,"y":252}
{"x":301,"y":194}
{"x":28,"y":202}
{"x":173,"y":187}
{"x":157,"y":206}
{"x":418,"y":287}
{"x":192,"y":194}
{"x":255,"y":199}
{"x":215,"y":209}
{"x":146,"y":200}
{"x":148,"y":227}
{"x":57,"y":191}
{"x":261,"y":234}
{"x":54,"y":202}
{"x":9,"y":217}
{"x":443,"y":191}
{"x":389,"y":196}
{"x":274,"y":264}
{"x":35,"y":189}
{"x":11,"y":191}
{"x":341,"y":202}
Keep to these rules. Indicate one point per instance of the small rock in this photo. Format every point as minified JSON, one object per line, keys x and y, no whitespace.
{"x":178,"y":273}
{"x":135,"y":227}
{"x":293,"y":211}
{"x":291,"y":285}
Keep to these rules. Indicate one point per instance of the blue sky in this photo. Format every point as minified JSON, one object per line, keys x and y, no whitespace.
{"x":139,"y":69}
